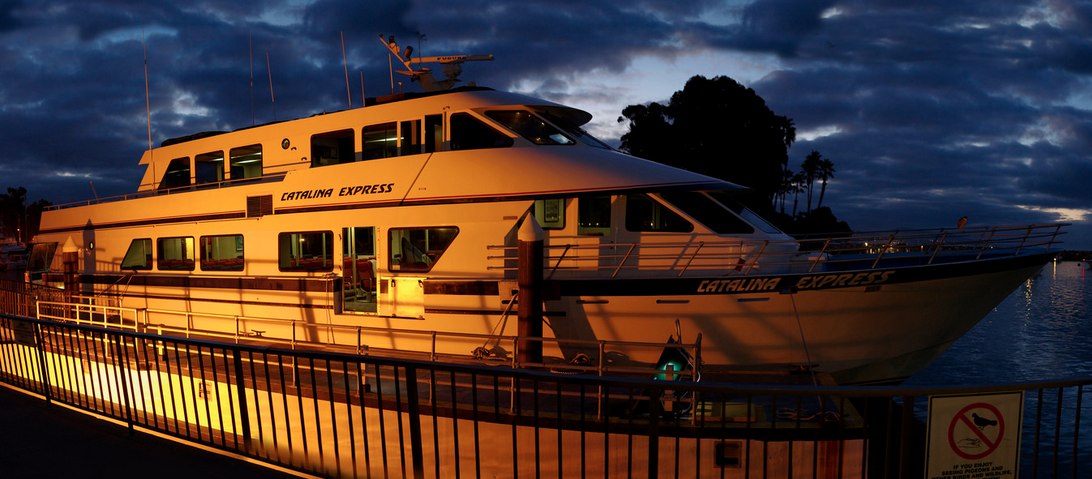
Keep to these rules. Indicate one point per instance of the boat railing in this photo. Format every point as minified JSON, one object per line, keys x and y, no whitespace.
{"x":172,"y":191}
{"x":864,"y":250}
{"x":594,"y":357}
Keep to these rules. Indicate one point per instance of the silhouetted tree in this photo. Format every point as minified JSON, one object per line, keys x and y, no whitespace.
{"x":810,"y":167}
{"x":719,"y":128}
{"x":826,"y":172}
{"x":797,"y":186}
{"x":17,"y":219}
{"x":784,"y":189}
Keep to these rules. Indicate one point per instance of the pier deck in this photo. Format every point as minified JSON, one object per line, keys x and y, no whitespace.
{"x":49,"y":440}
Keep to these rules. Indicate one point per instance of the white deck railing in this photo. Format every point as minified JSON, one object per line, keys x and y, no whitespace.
{"x":298,"y":334}
{"x":865,"y":250}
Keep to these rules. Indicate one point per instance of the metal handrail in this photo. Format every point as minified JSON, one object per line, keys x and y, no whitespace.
{"x":138,"y":320}
{"x":861,"y":250}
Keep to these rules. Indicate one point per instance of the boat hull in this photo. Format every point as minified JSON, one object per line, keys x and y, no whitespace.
{"x":865,"y":326}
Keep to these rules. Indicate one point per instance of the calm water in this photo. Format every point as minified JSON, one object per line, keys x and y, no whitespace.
{"x":1043,"y":330}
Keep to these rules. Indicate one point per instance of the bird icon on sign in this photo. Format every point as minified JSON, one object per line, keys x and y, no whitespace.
{"x":982,"y":422}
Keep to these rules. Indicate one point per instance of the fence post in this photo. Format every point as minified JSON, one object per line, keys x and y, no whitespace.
{"x":121,"y":365}
{"x":42,"y":367}
{"x":414,"y":410}
{"x":654,"y":411}
{"x":240,"y":389}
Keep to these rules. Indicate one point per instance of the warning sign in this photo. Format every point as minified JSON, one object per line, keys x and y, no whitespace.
{"x":974,"y":436}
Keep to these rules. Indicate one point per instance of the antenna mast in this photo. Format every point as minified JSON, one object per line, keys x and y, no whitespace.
{"x":272,"y":98}
{"x":147,"y":102}
{"x":452,"y":64}
{"x":345,"y":64}
{"x":253,"y":117}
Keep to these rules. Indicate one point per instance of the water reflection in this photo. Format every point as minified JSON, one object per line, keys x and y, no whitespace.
{"x":1041,"y":331}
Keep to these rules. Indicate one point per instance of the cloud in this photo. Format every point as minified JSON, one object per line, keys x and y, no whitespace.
{"x":930,"y":110}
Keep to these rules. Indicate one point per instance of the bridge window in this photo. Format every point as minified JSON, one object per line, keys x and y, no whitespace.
{"x":332,"y":148}
{"x":210,"y":167}
{"x":417,"y":249}
{"x":222,"y":253}
{"x":139,"y":255}
{"x":306,"y":251}
{"x":409,"y":138}
{"x":177,"y":175}
{"x":175,"y":253}
{"x":380,"y":141}
{"x":530,"y":126}
{"x":645,"y":214}
{"x":434,"y":133}
{"x":469,"y":133}
{"x":246,"y":162}
{"x":708,"y":212}
{"x":41,"y":256}
{"x":569,"y":119}
{"x":745,"y":213}
{"x":593,"y":215}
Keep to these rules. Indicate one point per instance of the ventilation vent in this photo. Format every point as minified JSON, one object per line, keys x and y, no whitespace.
{"x":257,"y":206}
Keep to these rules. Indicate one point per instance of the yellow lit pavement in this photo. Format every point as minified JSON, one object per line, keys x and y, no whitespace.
{"x":40,"y":440}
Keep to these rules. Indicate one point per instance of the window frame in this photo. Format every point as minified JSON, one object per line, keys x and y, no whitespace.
{"x":429,"y":256}
{"x":236,"y":263}
{"x":147,"y":255}
{"x":478,"y":141}
{"x":379,"y":148}
{"x":173,"y":176}
{"x":304,"y":264}
{"x":241,"y":156}
{"x":186,"y":263}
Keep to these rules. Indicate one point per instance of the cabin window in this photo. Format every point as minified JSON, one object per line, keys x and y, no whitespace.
{"x":417,"y":249}
{"x":41,"y":256}
{"x":530,"y":126}
{"x":222,"y":253}
{"x":333,"y":148}
{"x":645,"y":214}
{"x":177,"y":175}
{"x":593,"y":215}
{"x":246,"y":162}
{"x":550,"y":213}
{"x":175,"y":254}
{"x":434,"y":133}
{"x":570,"y":124}
{"x":306,"y":251}
{"x":210,"y":167}
{"x":380,"y":141}
{"x":409,"y":138}
{"x":358,"y":269}
{"x":139,"y":255}
{"x":469,"y":133}
{"x":708,"y":212}
{"x":749,"y":216}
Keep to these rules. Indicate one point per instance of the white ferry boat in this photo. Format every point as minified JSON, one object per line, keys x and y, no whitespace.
{"x":393,"y":227}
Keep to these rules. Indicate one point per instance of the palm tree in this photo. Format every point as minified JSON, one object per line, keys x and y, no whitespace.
{"x":784,"y":188}
{"x":798,"y":182}
{"x":825,"y":172}
{"x":811,"y":168}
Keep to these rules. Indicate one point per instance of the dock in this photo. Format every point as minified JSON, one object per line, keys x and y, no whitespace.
{"x":50,"y":440}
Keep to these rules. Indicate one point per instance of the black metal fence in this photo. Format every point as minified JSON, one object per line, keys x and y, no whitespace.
{"x":363,"y":416}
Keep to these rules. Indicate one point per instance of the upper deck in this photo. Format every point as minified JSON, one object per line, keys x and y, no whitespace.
{"x":458,"y":144}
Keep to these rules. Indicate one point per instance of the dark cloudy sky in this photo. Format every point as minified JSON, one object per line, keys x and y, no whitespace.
{"x":929,"y":109}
